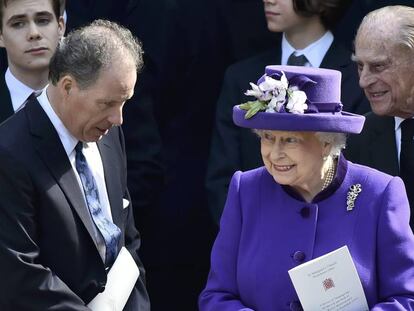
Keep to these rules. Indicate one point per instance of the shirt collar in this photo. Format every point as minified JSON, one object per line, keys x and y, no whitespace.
{"x":68,"y":140}
{"x":397,"y":123}
{"x":315,"y":52}
{"x":19,"y":91}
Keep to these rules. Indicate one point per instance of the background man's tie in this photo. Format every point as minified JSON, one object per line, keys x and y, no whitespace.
{"x":300,"y":60}
{"x":110,"y":232}
{"x":32,"y":96}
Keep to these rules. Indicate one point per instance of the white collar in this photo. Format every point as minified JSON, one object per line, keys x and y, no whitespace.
{"x":398,"y":122}
{"x":19,"y":91}
{"x":314,"y":52}
{"x":68,"y":140}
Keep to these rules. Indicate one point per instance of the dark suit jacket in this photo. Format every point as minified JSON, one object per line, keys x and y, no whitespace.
{"x":48,"y":254}
{"x":234,"y":148}
{"x":6,"y":107}
{"x":376,"y":147}
{"x":82,"y":12}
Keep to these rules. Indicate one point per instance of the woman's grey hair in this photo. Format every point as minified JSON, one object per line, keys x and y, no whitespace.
{"x":85,"y":52}
{"x":336,"y":140}
{"x":402,"y":23}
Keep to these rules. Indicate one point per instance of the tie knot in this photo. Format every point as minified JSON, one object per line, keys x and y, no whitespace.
{"x":78,"y":147}
{"x":33,"y":95}
{"x":407,"y":129}
{"x":294,"y":60}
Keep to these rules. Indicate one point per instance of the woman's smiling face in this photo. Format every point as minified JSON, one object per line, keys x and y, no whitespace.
{"x":294,"y":158}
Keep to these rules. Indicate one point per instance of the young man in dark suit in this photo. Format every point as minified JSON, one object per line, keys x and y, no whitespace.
{"x":65,"y":209}
{"x":384,"y":53}
{"x":30,"y":32}
{"x":305,"y":40}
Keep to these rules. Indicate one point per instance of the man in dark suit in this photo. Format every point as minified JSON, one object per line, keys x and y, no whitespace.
{"x":235,"y":148}
{"x":29,"y":32}
{"x":142,"y":139}
{"x":384,"y":53}
{"x":64,"y":204}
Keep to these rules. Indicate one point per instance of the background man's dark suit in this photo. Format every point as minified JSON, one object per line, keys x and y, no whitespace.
{"x":376,"y":147}
{"x":48,"y":253}
{"x":81,"y":12}
{"x":235,"y":148}
{"x":6,"y":107}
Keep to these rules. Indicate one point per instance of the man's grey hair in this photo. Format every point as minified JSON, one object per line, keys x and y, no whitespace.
{"x":394,"y":15}
{"x":336,"y":140}
{"x":85,"y":52}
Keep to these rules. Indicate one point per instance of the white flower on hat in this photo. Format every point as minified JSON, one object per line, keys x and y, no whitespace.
{"x":270,"y":84}
{"x":297,"y":102}
{"x":255,"y":91}
{"x":273,"y":95}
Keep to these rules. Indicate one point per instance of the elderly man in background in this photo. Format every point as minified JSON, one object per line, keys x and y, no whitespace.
{"x":384,"y":53}
{"x":65,"y":210}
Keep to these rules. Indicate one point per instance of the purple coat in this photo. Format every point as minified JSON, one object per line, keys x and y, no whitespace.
{"x":264,"y":232}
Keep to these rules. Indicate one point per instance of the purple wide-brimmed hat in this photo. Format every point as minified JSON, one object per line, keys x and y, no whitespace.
{"x":291,"y":98}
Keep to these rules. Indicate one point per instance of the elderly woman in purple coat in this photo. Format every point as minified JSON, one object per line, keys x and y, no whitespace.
{"x":307,"y":200}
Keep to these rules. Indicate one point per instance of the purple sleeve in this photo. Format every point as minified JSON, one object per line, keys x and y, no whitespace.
{"x":395,"y":248}
{"x":221,"y":292}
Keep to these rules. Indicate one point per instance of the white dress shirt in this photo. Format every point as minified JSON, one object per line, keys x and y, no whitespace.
{"x":19,"y":91}
{"x":93,"y":158}
{"x":397,"y":128}
{"x":314,"y":52}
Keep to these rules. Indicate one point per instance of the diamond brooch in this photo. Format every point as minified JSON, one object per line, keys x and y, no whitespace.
{"x":353,"y":193}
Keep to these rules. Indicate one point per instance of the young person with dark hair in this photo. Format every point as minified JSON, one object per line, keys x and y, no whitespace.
{"x":29,"y":31}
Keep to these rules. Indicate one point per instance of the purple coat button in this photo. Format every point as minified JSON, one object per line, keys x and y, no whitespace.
{"x":299,"y":256}
{"x":305,"y":212}
{"x":295,"y":306}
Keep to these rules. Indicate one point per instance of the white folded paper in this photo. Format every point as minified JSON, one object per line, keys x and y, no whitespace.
{"x":121,"y":280}
{"x":329,"y":283}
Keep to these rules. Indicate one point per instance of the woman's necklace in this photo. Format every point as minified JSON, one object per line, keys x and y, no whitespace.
{"x":329,"y":175}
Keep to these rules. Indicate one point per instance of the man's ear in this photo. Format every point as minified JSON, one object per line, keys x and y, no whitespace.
{"x":66,"y":85}
{"x":61,"y":26}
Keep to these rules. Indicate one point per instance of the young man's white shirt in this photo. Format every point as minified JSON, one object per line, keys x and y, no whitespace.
{"x":314,"y":52}
{"x":19,"y":92}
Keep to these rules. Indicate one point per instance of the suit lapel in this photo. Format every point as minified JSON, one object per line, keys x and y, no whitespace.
{"x":110,"y":161}
{"x":274,"y":56}
{"x":51,"y":151}
{"x":383,"y":134}
{"x":337,"y":57}
{"x":6,"y":107}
